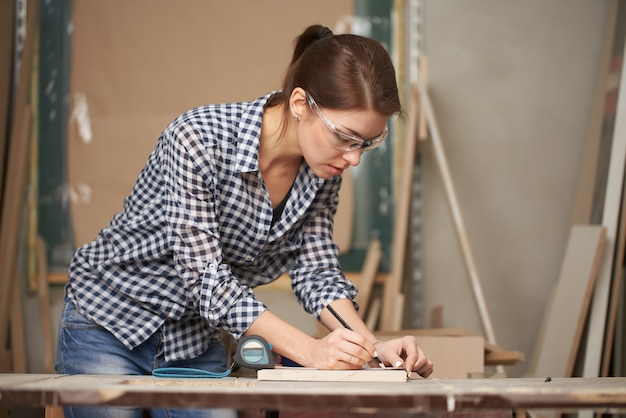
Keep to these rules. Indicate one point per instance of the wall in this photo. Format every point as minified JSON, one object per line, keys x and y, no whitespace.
{"x":512,"y":86}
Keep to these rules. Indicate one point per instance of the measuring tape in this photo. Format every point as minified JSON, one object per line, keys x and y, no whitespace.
{"x":252,"y":352}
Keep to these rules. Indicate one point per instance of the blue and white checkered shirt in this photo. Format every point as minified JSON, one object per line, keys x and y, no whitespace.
{"x":195,"y":236}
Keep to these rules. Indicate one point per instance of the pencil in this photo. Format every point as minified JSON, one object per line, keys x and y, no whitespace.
{"x":346,"y":326}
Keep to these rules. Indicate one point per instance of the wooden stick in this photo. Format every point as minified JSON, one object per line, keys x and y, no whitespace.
{"x":12,"y":208}
{"x":422,"y":126}
{"x":44,"y":306}
{"x":368,"y":274}
{"x":393,"y":283}
{"x":18,"y":340}
{"x":456,"y":213}
{"x":373,"y":314}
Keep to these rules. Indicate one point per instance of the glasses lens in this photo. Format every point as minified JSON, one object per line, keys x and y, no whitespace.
{"x":343,"y":140}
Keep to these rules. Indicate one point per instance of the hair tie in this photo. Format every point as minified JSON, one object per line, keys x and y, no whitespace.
{"x":325,"y":32}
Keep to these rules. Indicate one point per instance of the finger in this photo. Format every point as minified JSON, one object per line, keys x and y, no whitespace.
{"x":357,"y":355}
{"x":423,"y":366}
{"x":355,"y":345}
{"x":426,"y":369}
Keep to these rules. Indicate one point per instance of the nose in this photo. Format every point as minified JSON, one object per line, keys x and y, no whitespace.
{"x":353,"y":157}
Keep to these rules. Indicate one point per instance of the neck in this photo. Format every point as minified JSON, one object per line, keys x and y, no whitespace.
{"x":278,"y":146}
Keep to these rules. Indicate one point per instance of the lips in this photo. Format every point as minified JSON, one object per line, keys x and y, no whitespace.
{"x":335,"y":171}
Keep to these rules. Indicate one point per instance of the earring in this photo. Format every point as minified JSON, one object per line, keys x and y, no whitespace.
{"x":296,"y":118}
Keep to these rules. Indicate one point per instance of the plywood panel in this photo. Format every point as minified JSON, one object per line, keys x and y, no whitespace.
{"x":137,"y":65}
{"x":564,"y":319}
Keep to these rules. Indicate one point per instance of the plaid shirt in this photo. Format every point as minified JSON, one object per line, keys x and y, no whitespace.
{"x":195,"y":236}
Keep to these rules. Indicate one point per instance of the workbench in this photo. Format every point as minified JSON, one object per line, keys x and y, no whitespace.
{"x":414,"y":396}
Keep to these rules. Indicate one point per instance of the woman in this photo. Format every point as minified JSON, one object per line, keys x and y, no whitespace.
{"x":233,"y":196}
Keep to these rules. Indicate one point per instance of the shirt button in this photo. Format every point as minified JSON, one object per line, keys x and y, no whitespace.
{"x":249,"y":258}
{"x":212,"y":267}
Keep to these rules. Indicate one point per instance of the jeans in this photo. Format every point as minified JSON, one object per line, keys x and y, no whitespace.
{"x":86,"y":348}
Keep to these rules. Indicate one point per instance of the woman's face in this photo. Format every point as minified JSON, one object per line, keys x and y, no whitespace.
{"x":323,"y":140}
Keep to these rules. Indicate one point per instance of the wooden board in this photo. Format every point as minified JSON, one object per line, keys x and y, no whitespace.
{"x":305,"y":374}
{"x":11,"y":214}
{"x":610,"y":219}
{"x":582,"y":210}
{"x":344,"y":218}
{"x":7,"y":29}
{"x":415,"y":395}
{"x":615,"y":293}
{"x":452,"y":356}
{"x":557,"y":346}
{"x":494,"y":355}
{"x":14,"y":193}
{"x":393,"y":284}
{"x":368,"y":275}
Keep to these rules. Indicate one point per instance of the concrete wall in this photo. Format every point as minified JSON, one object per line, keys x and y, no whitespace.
{"x":512,"y":86}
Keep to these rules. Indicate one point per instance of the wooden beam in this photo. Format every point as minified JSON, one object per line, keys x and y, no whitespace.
{"x":368,"y":275}
{"x":14,"y":191}
{"x":393,"y":284}
{"x":44,"y":307}
{"x":11,"y":214}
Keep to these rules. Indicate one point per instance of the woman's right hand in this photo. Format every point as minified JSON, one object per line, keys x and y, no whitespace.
{"x":341,"y":349}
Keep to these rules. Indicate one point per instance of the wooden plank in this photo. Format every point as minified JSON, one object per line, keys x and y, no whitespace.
{"x":373,"y":315}
{"x":44,"y":307}
{"x":494,"y":355}
{"x":7,"y":40}
{"x":14,"y":192}
{"x":556,"y":350}
{"x":368,"y":275}
{"x":615,"y":291}
{"x":393,"y":284}
{"x":416,"y":395}
{"x":305,"y":374}
{"x":585,"y":191}
{"x":344,"y":218}
{"x":11,"y":214}
{"x":610,"y":219}
{"x":18,"y":339}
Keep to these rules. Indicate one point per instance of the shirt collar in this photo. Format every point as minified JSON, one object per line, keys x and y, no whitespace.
{"x":248,"y":134}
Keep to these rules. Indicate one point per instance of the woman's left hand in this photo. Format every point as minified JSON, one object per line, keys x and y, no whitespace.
{"x":405,"y":352}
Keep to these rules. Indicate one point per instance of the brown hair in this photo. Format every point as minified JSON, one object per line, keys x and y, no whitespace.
{"x":341,"y":72}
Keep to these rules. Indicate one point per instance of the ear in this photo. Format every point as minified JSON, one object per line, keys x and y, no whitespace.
{"x":298,"y":102}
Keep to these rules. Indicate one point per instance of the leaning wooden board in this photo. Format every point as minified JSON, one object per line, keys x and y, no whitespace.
{"x":562,"y":327}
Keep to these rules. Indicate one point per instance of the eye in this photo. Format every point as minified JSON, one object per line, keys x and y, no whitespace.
{"x":348,"y":141}
{"x":368,"y":144}
{"x":342,"y":138}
